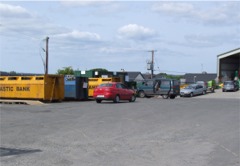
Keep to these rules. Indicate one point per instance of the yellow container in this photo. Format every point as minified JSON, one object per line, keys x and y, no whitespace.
{"x":183,"y":86}
{"x":94,"y":82}
{"x":44,"y":87}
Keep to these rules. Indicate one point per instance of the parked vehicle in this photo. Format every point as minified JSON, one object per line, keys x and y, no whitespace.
{"x":115,"y":91}
{"x":210,"y":85}
{"x":164,"y":87}
{"x":230,"y":86}
{"x":193,"y":90}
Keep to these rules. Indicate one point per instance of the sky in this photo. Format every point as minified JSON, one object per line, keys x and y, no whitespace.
{"x":186,"y":36}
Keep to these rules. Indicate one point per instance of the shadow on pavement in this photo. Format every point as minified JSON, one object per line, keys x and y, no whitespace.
{"x":13,"y":151}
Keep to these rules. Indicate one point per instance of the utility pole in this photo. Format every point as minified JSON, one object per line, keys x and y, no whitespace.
{"x":152,"y":63}
{"x":46,"y":67}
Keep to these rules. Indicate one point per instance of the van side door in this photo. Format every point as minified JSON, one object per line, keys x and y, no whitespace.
{"x":156,"y":87}
{"x":165,"y":87}
{"x":162,"y":87}
{"x":148,"y":90}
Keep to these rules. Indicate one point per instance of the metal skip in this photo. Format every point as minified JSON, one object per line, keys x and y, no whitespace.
{"x":43,"y":87}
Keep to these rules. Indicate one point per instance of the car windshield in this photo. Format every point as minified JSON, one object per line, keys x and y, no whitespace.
{"x":106,"y":85}
{"x":228,"y":83}
{"x":189,"y":87}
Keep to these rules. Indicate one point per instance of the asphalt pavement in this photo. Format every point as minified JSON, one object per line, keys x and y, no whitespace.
{"x":198,"y":131}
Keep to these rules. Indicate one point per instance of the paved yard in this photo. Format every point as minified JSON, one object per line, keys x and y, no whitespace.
{"x":222,"y":95}
{"x":198,"y":131}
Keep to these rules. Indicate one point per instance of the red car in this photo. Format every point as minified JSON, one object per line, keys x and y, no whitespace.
{"x":115,"y":91}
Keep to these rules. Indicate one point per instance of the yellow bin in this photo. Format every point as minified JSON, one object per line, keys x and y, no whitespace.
{"x":44,"y":87}
{"x":94,"y":82}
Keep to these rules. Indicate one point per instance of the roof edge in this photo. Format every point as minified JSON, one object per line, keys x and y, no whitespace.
{"x":229,"y":52}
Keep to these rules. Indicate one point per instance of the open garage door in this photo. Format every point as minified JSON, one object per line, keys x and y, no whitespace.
{"x":229,"y":65}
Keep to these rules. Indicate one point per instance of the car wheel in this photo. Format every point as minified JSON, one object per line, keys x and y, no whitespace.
{"x":223,"y":90}
{"x":133,"y":98}
{"x":141,"y":94}
{"x":204,"y":92}
{"x":116,"y":99}
{"x":191,"y":94}
{"x":98,"y":101}
{"x":165,"y":96}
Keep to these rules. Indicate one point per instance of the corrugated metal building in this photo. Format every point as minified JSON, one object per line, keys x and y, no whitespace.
{"x":228,"y":65}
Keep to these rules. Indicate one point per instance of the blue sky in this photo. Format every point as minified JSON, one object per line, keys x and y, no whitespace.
{"x":117,"y":35}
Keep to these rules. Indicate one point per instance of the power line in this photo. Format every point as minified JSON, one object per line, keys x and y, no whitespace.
{"x":156,"y":60}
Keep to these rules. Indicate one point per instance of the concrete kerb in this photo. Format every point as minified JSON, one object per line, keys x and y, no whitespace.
{"x":27,"y":102}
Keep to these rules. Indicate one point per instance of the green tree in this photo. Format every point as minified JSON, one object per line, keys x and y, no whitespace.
{"x":99,"y":69}
{"x":12,"y":73}
{"x":66,"y":71}
{"x":177,"y":77}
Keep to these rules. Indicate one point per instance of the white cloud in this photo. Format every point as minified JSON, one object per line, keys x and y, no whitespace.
{"x":225,"y":13}
{"x":109,"y":50}
{"x":173,"y":7}
{"x":95,"y":7}
{"x":13,"y":11}
{"x":118,"y":49}
{"x":36,"y":27}
{"x":200,"y":41}
{"x":84,"y":3}
{"x":18,"y":20}
{"x":134,"y":31}
{"x":77,"y":35}
{"x":77,"y":3}
{"x":213,"y":40}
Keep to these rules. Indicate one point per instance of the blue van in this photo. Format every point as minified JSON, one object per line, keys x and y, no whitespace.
{"x":167,"y":88}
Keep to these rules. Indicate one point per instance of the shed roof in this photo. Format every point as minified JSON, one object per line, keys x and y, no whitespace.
{"x":229,"y":53}
{"x":133,"y":75}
